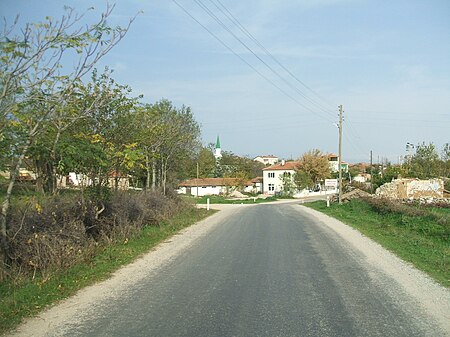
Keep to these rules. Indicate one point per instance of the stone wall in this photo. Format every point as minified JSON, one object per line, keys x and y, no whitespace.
{"x":412,"y":189}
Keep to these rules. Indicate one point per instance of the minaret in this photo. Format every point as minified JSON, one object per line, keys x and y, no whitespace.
{"x":218,"y":150}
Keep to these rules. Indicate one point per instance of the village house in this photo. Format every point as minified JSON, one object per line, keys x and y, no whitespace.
{"x":266,"y":160}
{"x":254,"y":186}
{"x":272,"y":176}
{"x":219,"y":186}
{"x":207,"y":186}
{"x":333,"y":159}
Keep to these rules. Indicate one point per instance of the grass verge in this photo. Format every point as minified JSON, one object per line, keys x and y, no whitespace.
{"x":28,"y":297}
{"x":422,"y":239}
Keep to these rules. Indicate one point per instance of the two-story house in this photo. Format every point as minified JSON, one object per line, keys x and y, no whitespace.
{"x":272,"y":176}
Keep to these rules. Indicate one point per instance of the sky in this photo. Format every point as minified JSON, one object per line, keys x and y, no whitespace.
{"x":269,"y":76}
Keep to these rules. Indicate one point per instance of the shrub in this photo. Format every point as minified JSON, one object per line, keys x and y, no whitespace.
{"x":57,"y":232}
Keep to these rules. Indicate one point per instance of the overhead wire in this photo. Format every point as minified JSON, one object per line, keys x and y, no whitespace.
{"x":276,"y":73}
{"x":220,"y":22}
{"x":226,"y":12}
{"x":239,"y":56}
{"x":224,"y":26}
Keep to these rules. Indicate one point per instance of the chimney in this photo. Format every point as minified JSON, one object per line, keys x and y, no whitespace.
{"x":282,"y":162}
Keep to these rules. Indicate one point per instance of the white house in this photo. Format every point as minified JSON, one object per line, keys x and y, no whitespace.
{"x":254,"y":186}
{"x":267,"y":160}
{"x":207,"y":186}
{"x":272,"y":176}
{"x":333,"y":159}
{"x":362,"y":178}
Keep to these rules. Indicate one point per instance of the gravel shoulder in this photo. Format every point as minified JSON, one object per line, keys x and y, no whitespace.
{"x":433,"y":298}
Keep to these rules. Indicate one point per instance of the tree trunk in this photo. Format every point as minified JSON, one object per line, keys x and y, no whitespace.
{"x":4,"y":246}
{"x":164,"y":175}
{"x":52,"y":182}
{"x":153,"y":174}
{"x":147,"y":166}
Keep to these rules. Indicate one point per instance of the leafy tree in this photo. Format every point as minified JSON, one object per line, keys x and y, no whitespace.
{"x":445,"y":157}
{"x":390,"y":172}
{"x":302,"y":180}
{"x":231,"y":163}
{"x":166,"y":136}
{"x":288,"y":184}
{"x":313,"y":168}
{"x":34,"y":85}
{"x":425,"y":163}
{"x":206,"y":164}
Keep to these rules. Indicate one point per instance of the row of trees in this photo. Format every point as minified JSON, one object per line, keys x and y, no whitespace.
{"x":56,"y":119}
{"x":229,"y":166}
{"x":425,"y":163}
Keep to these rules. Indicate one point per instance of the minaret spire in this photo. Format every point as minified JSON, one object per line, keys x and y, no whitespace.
{"x":218,"y":150}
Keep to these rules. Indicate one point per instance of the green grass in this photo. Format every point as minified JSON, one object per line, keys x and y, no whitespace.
{"x":215,"y":199}
{"x":421,"y":239}
{"x":28,"y":298}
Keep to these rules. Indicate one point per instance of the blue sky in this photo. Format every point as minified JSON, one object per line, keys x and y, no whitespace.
{"x":386,"y":62}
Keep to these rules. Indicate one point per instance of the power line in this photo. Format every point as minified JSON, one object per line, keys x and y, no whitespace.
{"x":224,"y":10}
{"x":224,"y":26}
{"x":240,"y":57}
{"x":276,"y":73}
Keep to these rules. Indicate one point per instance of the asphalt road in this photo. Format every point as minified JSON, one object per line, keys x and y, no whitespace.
{"x":267,"y":270}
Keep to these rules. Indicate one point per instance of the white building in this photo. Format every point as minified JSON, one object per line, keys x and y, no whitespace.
{"x":219,"y":186}
{"x":333,"y":159}
{"x":254,"y":186}
{"x":267,"y":160}
{"x":272,"y":176}
{"x":207,"y":186}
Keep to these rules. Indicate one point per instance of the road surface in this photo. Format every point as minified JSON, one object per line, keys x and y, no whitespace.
{"x":264,"y":270}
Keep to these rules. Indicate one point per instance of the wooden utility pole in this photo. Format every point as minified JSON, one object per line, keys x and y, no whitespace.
{"x":196,"y":181}
{"x":340,"y":154}
{"x":371,"y":173}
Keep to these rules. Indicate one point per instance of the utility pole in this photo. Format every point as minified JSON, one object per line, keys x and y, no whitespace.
{"x":196,"y":182}
{"x":340,"y":154}
{"x":371,"y":173}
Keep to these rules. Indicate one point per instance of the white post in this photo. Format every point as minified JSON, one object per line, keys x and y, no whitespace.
{"x":207,"y":204}
{"x":328,"y":201}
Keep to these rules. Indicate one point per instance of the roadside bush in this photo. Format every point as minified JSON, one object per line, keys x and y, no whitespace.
{"x":416,"y":217}
{"x":57,"y":232}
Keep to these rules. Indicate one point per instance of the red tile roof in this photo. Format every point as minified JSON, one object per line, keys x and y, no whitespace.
{"x":209,"y":182}
{"x":289,"y":165}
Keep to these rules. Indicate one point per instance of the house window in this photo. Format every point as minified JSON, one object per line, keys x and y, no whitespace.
{"x":271,"y":174}
{"x":271,"y":187}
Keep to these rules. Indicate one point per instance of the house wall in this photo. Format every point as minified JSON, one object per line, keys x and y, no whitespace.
{"x":203,"y":190}
{"x":256,"y":188}
{"x":123,"y":183}
{"x":276,"y":180}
